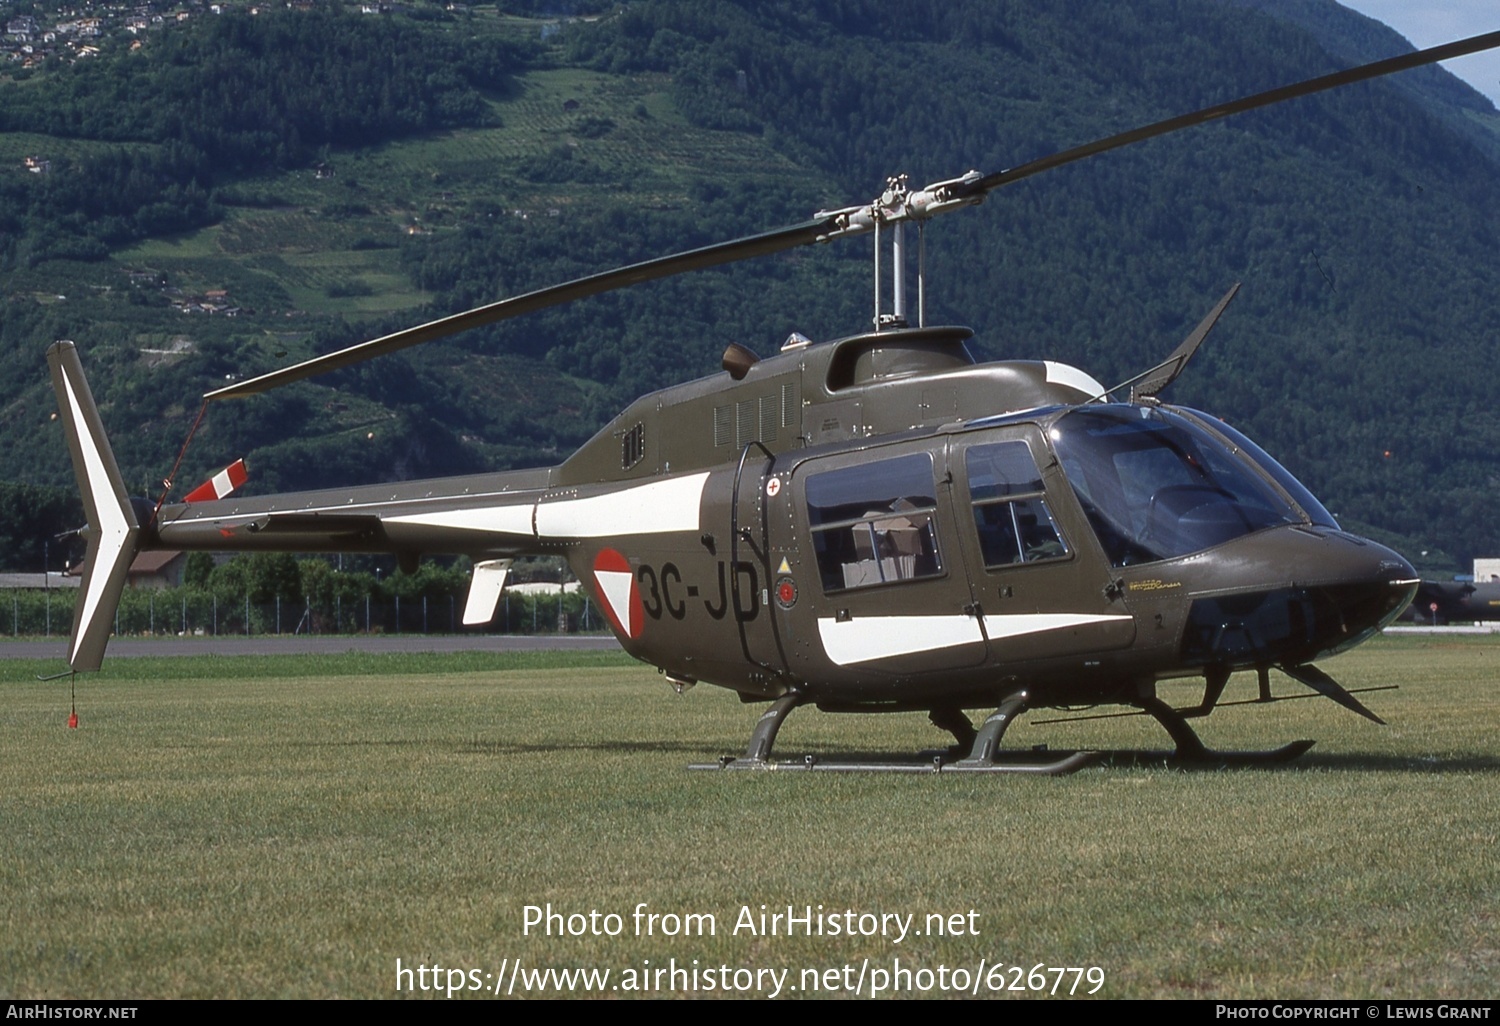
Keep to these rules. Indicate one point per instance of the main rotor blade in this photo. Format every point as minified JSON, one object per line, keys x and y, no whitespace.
{"x":826,"y":225}
{"x":1447,"y":51}
{"x":646,"y":270}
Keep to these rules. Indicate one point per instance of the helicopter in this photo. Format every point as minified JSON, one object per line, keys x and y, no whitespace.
{"x":877,"y":523}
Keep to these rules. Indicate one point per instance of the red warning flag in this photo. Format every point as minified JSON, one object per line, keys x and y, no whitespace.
{"x":220,"y":485}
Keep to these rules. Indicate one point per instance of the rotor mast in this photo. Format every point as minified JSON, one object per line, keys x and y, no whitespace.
{"x":895,"y":193}
{"x":892,"y":209}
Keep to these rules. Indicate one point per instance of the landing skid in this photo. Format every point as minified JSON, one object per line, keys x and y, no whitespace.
{"x":983,"y":756}
{"x":1191,"y":750}
{"x":984,"y":753}
{"x":1208,"y":758}
{"x":1032,"y":763}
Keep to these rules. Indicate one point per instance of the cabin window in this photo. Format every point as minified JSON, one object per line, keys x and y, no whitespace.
{"x":1314,"y":509}
{"x":874,"y":524}
{"x":1011,"y":516}
{"x":1154,"y":485}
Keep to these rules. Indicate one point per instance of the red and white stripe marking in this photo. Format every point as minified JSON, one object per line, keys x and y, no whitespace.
{"x":221,"y":484}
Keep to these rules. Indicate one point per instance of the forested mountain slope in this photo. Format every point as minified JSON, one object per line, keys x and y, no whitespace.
{"x":1362,"y":224}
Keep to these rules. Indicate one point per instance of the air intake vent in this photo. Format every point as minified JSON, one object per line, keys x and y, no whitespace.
{"x":768,"y":418}
{"x":632,"y":446}
{"x":789,"y":410}
{"x":744,"y":422}
{"x":723,"y":425}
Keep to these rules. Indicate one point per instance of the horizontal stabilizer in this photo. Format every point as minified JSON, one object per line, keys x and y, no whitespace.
{"x":484,"y":591}
{"x":113,"y":529}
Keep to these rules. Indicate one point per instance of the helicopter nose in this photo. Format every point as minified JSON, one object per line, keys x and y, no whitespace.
{"x":1302,"y":594}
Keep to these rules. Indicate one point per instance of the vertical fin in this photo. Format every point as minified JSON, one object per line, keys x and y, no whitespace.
{"x":113,"y":529}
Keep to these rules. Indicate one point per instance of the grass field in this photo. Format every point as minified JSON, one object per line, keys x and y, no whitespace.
{"x":291,"y":827}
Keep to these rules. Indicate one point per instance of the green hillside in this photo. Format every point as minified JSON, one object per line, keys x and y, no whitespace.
{"x":345,"y":202}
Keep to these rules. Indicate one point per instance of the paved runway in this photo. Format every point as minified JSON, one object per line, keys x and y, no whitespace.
{"x":325,"y":644}
{"x":320,"y":644}
{"x":1476,"y":628}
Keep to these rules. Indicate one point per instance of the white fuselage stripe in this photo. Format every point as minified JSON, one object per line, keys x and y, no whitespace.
{"x":490,"y":519}
{"x":656,"y":508}
{"x":1067,"y":374}
{"x":867,"y":638}
{"x":1001,"y":627}
{"x":880,"y":637}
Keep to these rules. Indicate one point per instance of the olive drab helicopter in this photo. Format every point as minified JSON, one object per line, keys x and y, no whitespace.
{"x":876,"y":523}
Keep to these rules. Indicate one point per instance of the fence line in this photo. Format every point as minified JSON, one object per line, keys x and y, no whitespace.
{"x":191,"y":611}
